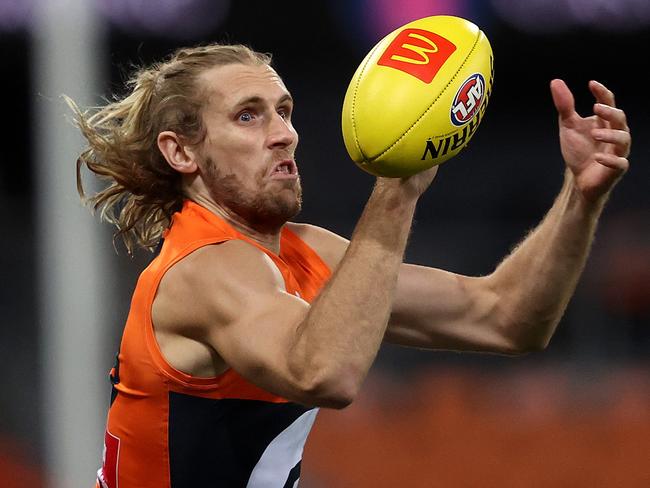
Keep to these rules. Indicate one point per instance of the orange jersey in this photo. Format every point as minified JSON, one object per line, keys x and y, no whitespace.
{"x":166,"y":428}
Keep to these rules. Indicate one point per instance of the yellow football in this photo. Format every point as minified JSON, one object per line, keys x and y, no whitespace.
{"x":418,"y":97}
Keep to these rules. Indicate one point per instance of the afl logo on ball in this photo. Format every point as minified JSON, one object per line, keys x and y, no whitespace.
{"x":468,"y":99}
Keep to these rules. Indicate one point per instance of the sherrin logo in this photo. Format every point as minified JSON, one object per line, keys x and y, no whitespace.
{"x":467,"y":100}
{"x":417,"y":52}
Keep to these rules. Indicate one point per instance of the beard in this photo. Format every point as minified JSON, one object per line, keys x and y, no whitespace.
{"x":265,"y":210}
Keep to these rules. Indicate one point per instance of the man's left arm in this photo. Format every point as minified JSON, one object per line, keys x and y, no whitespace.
{"x":517,"y":307}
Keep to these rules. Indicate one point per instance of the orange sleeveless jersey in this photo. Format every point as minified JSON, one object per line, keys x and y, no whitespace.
{"x":168,"y":429}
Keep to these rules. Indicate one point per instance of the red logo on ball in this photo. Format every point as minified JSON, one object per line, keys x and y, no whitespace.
{"x":418,"y":52}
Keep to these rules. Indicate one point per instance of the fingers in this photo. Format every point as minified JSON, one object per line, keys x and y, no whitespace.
{"x":562,"y":99}
{"x":614,"y":122}
{"x":612,"y":118}
{"x":605,"y":107}
{"x":610,"y":122}
{"x":620,"y":139}
{"x":612,"y":161}
{"x":603,"y":94}
{"x":615,"y":116}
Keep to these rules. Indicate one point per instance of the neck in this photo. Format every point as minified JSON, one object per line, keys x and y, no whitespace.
{"x":268,"y":238}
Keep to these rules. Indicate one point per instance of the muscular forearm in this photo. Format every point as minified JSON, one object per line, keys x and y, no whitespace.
{"x":339,"y":339}
{"x":536,"y":281}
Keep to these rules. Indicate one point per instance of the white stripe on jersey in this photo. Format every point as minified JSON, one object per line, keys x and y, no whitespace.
{"x":282,"y":454}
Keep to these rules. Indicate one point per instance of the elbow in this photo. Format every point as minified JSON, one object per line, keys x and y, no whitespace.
{"x":523,"y":348}
{"x":337,"y":402}
{"x":536,"y":335}
{"x":521,"y":340}
{"x":335,"y":391}
{"x":537,"y":344}
{"x":521,"y":324}
{"x":522,"y":331}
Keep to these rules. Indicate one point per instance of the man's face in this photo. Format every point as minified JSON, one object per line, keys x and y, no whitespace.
{"x":248,"y":154}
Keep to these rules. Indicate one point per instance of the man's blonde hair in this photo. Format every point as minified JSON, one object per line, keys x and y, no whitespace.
{"x":143,"y":191}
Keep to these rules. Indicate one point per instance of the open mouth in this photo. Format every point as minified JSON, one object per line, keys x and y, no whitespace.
{"x":285,"y":169}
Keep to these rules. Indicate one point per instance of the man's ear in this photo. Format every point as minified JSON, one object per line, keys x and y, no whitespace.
{"x":179,"y":156}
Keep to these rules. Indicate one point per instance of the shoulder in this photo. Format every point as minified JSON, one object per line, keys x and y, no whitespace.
{"x":328,"y":245}
{"x":226,"y":263}
{"x":218,"y":299}
{"x":217,"y":280}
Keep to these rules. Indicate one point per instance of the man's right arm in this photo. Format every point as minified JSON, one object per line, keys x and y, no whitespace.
{"x":319,"y":354}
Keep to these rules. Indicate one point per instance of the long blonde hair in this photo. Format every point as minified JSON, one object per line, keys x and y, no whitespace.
{"x":143,"y":191}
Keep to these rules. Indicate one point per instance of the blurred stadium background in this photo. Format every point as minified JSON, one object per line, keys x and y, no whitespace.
{"x":577,"y":414}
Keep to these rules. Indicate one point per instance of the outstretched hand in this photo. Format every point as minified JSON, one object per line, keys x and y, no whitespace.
{"x":595,"y":148}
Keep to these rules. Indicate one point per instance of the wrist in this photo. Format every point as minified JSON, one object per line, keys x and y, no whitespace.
{"x":577,"y":199}
{"x":386,"y":219}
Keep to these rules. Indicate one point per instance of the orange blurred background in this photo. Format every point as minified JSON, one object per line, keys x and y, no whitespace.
{"x":468,"y":428}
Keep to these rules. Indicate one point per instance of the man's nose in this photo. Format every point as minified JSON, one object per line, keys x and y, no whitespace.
{"x":281,"y":132}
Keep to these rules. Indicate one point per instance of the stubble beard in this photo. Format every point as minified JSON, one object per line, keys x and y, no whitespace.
{"x":266,"y":210}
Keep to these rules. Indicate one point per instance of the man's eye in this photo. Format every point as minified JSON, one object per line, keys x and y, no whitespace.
{"x":246,"y":116}
{"x":284,"y":113}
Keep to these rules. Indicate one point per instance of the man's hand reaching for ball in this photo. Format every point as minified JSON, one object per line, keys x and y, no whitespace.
{"x":595,"y":148}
